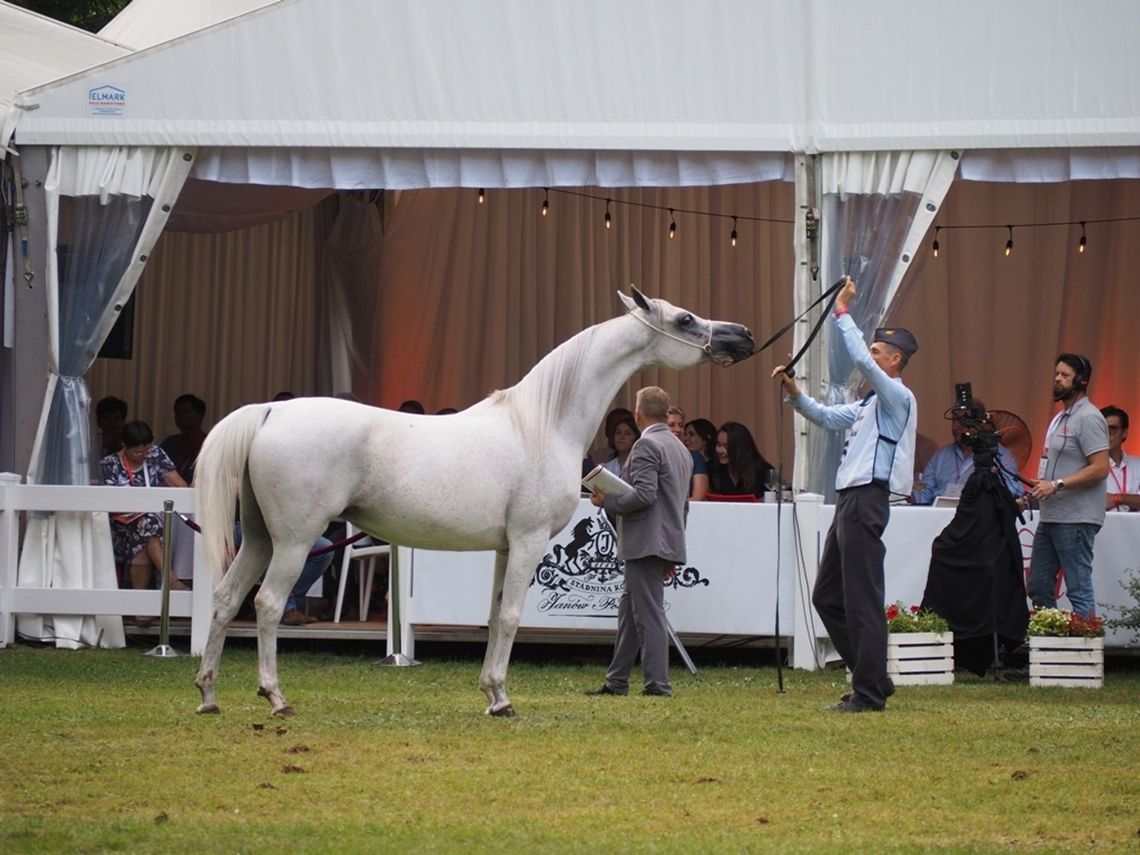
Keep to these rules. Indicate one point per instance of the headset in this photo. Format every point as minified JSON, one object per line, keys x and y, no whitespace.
{"x":1082,"y":369}
{"x":1084,"y":373}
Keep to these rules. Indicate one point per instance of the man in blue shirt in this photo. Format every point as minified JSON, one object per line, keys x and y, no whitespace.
{"x":878,"y":460}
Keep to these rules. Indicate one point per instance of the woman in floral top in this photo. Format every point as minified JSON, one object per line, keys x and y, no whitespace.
{"x":138,"y":537}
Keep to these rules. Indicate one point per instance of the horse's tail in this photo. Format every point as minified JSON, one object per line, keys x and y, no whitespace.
{"x":218,"y":478}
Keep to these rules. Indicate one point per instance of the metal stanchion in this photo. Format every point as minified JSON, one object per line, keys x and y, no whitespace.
{"x":164,"y":650}
{"x":397,"y":659}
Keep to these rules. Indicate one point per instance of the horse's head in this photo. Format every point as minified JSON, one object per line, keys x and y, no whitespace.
{"x":685,"y":338}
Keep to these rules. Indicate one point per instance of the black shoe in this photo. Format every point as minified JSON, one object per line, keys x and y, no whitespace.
{"x":604,"y":690}
{"x":656,"y":693}
{"x":851,"y":706}
{"x":846,"y":696}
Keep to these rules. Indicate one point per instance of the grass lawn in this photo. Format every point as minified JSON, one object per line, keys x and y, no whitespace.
{"x":102,"y":752}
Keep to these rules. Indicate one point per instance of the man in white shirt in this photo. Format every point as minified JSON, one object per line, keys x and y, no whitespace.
{"x":1123,"y":480}
{"x":878,"y":460}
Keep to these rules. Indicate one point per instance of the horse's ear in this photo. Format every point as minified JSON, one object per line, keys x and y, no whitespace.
{"x":639,"y":299}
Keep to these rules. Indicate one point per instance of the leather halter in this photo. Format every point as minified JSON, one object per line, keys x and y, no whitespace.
{"x":706,"y":348}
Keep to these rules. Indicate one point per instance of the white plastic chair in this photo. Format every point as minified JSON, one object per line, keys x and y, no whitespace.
{"x":365,"y":573}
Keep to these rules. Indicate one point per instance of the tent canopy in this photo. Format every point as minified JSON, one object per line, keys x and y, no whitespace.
{"x":35,"y":50}
{"x":645,"y":75}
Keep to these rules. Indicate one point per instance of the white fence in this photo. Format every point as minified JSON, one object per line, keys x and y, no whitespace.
{"x":732,"y":548}
{"x":17,"y":499}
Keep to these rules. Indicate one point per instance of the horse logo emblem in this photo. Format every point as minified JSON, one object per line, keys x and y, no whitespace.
{"x":583,"y":576}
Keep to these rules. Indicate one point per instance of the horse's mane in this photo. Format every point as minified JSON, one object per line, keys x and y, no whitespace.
{"x":537,"y":404}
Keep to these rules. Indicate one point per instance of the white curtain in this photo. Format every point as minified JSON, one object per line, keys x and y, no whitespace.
{"x":347,"y":285}
{"x":106,"y":208}
{"x":876,"y":208}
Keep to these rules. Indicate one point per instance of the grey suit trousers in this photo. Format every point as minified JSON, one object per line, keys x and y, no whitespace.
{"x":642,"y":626}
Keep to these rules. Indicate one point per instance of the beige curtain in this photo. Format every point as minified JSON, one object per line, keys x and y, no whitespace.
{"x":231,"y":317}
{"x":473,"y":295}
{"x":470,"y":296}
{"x":998,"y":322}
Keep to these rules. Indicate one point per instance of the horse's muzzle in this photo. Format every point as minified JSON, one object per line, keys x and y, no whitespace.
{"x":730,"y":344}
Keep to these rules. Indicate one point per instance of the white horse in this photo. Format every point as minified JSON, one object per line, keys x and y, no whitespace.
{"x":502,"y":475}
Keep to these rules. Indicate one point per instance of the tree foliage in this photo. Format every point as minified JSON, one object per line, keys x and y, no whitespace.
{"x":90,"y":15}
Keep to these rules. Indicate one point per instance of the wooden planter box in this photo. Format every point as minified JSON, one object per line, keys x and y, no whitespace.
{"x":1066,"y":662}
{"x":920,"y":658}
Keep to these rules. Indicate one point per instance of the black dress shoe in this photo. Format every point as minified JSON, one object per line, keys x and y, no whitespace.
{"x":851,"y":706}
{"x":656,"y":693}
{"x":846,"y":696}
{"x":604,"y":690}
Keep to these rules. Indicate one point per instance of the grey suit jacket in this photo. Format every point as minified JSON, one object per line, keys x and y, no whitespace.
{"x":651,"y":519}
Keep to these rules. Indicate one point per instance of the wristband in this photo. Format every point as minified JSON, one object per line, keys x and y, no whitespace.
{"x":840,"y":311}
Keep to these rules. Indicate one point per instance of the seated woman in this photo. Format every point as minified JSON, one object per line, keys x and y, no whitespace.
{"x":621,"y":435}
{"x":137,"y":537}
{"x":740,"y":468}
{"x":700,"y":436}
{"x":699,"y":482}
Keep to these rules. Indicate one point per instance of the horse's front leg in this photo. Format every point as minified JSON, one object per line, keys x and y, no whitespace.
{"x":513,"y":572}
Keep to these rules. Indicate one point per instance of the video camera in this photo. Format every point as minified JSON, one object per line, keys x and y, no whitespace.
{"x":978,"y":431}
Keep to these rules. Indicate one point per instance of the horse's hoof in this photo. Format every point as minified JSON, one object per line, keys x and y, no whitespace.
{"x":284,"y":712}
{"x":507,"y":711}
{"x":207,"y":709}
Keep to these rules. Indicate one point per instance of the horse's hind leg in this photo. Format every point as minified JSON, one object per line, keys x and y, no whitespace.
{"x":283,"y":572}
{"x":513,"y":572}
{"x":227,"y":599}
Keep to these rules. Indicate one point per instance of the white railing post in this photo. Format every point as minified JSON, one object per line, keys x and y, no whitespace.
{"x":806,"y":649}
{"x":9,"y":555}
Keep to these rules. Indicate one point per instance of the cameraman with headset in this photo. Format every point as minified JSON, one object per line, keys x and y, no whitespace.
{"x":1071,"y":490}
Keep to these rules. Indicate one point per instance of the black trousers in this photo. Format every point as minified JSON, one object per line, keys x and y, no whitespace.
{"x":848,"y":591}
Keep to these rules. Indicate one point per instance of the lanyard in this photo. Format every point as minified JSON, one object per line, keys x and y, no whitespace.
{"x":1053,"y":425}
{"x":131,"y":472}
{"x":1121,"y":481}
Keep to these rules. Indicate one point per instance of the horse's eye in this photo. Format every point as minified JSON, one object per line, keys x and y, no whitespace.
{"x":686,"y":320}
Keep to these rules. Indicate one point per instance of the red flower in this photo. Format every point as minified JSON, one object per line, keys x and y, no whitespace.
{"x":915,"y":609}
{"x":893,"y":611}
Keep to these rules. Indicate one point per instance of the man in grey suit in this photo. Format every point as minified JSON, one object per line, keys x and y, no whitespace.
{"x":651,"y":542}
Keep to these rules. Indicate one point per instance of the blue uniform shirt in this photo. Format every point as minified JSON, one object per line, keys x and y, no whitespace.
{"x":881,"y":427}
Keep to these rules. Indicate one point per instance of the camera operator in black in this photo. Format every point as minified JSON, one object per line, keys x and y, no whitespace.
{"x":975,"y":576}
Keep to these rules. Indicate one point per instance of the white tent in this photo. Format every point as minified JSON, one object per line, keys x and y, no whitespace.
{"x":35,"y":50}
{"x":401,"y":95}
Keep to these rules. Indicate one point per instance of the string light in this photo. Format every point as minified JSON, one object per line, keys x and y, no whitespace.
{"x":1082,"y":242}
{"x":672,"y":225}
{"x":545,"y":201}
{"x":608,"y":219}
{"x":732,"y":237}
{"x":482,"y":195}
